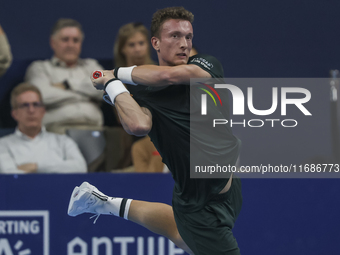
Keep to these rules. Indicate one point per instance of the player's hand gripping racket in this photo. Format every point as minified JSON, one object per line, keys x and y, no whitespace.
{"x":97,"y":74}
{"x":97,"y":84}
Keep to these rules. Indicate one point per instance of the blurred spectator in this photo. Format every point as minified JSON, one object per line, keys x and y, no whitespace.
{"x":69,"y":96}
{"x":31,"y":149}
{"x":193,"y":51}
{"x":132,"y":47}
{"x":145,"y":156}
{"x":5,"y":52}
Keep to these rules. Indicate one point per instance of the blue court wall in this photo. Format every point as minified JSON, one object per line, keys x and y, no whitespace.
{"x":279,"y":216}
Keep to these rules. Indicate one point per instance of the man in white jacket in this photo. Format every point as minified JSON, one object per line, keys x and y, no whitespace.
{"x":31,"y":149}
{"x":68,"y":94}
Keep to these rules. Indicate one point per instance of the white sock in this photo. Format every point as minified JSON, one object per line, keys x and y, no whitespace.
{"x":117,"y":206}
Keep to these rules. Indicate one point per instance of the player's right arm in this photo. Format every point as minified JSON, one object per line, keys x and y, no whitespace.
{"x":135,"y":120}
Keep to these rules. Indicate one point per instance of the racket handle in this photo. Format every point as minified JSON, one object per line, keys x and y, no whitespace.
{"x":97,"y":74}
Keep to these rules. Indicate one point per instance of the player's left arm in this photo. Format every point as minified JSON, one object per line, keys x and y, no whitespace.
{"x":198,"y":66}
{"x":152,"y":75}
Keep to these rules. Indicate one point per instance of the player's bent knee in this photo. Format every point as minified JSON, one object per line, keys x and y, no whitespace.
{"x":177,"y":239}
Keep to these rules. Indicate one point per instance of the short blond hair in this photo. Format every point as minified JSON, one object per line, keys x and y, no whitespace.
{"x":160,"y":16}
{"x":22,"y":88}
{"x":62,"y":23}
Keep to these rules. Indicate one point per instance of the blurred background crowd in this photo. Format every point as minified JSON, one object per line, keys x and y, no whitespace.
{"x":52,"y":120}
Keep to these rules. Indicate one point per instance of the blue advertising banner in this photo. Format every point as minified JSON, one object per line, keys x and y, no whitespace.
{"x":34,"y":220}
{"x":279,"y":216}
{"x":24,"y":229}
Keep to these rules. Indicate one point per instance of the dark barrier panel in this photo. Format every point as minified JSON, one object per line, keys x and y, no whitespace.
{"x":278,"y":216}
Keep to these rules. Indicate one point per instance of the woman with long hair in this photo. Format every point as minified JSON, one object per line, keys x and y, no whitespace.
{"x":132,"y":46}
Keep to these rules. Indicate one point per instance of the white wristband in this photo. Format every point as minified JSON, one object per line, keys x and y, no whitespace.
{"x":124,"y":74}
{"x":115,"y":88}
{"x":127,"y":208}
